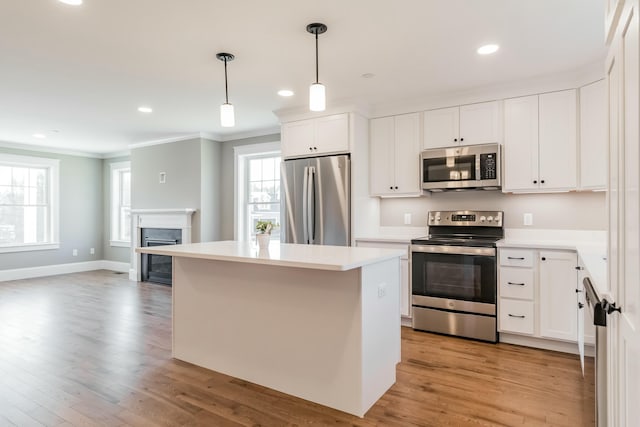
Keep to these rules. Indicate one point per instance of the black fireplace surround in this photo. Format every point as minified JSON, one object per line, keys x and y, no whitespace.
{"x":157,"y":268}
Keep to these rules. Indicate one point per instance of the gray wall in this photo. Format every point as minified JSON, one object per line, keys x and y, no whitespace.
{"x":569,"y":211}
{"x":81,"y":214}
{"x":210,"y":190}
{"x":228,"y":185}
{"x":111,"y":253}
{"x":192,"y":170}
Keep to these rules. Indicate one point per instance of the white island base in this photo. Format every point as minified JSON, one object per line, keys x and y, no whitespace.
{"x":329,"y":334}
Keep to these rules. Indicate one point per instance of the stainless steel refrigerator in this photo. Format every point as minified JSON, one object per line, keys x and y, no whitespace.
{"x":316,"y":201}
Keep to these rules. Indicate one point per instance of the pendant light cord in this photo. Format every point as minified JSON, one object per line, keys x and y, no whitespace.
{"x":226,"y":87}
{"x":317,"y":57}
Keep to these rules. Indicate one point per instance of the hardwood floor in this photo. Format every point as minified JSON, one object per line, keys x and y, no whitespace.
{"x":94,"y":349}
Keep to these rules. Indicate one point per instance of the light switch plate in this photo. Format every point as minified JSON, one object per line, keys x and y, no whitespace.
{"x":528,"y":219}
{"x":163,"y":177}
{"x":407,"y":219}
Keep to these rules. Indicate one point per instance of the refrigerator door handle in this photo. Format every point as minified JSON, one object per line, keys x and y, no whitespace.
{"x":305,"y":198}
{"x":311,"y":205}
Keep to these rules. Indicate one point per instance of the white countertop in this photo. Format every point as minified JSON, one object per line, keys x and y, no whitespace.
{"x":337,"y":258}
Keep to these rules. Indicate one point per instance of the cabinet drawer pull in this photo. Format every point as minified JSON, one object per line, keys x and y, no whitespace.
{"x":515,"y":257}
{"x":514,"y":315}
{"x":517,"y":284}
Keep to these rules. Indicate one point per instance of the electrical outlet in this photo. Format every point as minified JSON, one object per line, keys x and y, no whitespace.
{"x":92,"y":251}
{"x":407,"y":219}
{"x":163,"y":177}
{"x":75,"y":252}
{"x":382,"y":290}
{"x":528,"y":219}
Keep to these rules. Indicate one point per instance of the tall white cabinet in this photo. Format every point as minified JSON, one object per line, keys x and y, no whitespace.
{"x":540,"y":142}
{"x":593,"y":136}
{"x":395,"y":156}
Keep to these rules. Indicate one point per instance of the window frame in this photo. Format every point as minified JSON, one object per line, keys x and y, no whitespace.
{"x":53,"y":180}
{"x":115,"y":184}
{"x":241,"y":153}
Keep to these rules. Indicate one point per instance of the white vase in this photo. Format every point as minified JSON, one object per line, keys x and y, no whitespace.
{"x":263,"y":240}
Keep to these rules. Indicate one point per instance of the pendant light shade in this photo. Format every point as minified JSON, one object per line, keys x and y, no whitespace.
{"x":317,"y":96}
{"x":227,"y":116}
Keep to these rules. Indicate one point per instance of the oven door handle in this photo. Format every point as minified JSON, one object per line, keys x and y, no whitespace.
{"x":453,"y":250}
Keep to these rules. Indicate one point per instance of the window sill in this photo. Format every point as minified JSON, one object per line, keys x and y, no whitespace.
{"x":29,"y":247}
{"x":119,"y":243}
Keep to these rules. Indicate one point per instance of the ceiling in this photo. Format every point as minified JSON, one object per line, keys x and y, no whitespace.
{"x":78,"y":73}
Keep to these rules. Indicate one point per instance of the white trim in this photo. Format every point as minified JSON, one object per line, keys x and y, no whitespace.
{"x":546,"y":344}
{"x":120,"y":243}
{"x":29,"y":247}
{"x":239,"y":152}
{"x":49,"y":150}
{"x":249,"y":134}
{"x":163,"y":211}
{"x":164,"y":141}
{"x":52,"y":270}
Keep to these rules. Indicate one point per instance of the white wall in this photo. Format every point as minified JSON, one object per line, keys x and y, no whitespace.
{"x":568,"y":211}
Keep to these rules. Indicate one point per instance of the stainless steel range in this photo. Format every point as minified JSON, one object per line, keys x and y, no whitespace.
{"x":454,"y":274}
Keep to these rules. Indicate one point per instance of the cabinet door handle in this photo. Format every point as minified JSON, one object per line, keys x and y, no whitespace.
{"x":396,"y":187}
{"x":516,"y":284}
{"x":543,"y":259}
{"x":579,"y":268}
{"x":390,"y":188}
{"x":455,"y":139}
{"x":578,"y":291}
{"x":580,"y":305}
{"x":514,"y":257}
{"x":516,"y":316}
{"x":535,"y":181}
{"x":461,"y":139}
{"x":542,"y":181}
{"x":316,"y":148}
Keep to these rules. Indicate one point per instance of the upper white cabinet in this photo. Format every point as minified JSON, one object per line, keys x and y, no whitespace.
{"x":464,"y":125}
{"x":540,"y":143}
{"x":395,"y":150}
{"x":322,"y":135}
{"x":593,"y":136}
{"x":558,"y":306}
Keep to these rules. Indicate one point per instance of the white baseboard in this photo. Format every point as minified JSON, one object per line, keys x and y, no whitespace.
{"x":133,"y":275}
{"x":546,"y":344}
{"x":52,"y":270}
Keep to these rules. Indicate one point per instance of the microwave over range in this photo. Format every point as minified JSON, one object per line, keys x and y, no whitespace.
{"x":470,"y":167}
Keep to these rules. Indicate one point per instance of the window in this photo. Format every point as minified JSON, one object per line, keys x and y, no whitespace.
{"x":121,"y":204}
{"x":257,"y":188}
{"x":28,"y":203}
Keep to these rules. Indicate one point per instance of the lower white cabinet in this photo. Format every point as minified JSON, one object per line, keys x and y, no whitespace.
{"x":558,"y":306}
{"x":405,"y":270}
{"x":537,"y":293}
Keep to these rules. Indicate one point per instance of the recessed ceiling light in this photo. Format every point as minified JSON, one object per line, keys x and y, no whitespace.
{"x":488,"y":49}
{"x":145,"y":109}
{"x":368,"y":75}
{"x":285,"y":92}
{"x":72,"y":2}
{"x":39,"y":135}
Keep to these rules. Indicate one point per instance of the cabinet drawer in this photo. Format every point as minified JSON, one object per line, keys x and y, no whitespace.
{"x":516,"y":283}
{"x":385,"y":245}
{"x":516,"y":257}
{"x":516,"y":316}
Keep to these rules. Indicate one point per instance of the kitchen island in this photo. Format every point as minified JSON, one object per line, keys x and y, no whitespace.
{"x":318,"y":322}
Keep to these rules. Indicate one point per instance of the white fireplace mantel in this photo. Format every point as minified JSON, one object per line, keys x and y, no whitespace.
{"x":156,"y":218}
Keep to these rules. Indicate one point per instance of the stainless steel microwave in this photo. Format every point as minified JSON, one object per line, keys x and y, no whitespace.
{"x":463,"y":167}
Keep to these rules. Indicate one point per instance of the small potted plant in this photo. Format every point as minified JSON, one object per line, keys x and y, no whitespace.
{"x":263,"y":229}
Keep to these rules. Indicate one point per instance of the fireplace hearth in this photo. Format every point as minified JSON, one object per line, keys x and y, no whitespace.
{"x":157,"y":268}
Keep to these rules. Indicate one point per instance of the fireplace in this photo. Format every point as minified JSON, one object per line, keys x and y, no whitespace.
{"x":157,"y":268}
{"x":167,"y":221}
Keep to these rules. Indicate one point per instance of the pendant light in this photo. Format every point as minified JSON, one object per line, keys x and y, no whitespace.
{"x":227,"y":118}
{"x":317,"y":98}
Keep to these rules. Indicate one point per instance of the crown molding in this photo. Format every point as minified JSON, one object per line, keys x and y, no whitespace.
{"x":250,"y":134}
{"x":45,"y":149}
{"x":164,"y":141}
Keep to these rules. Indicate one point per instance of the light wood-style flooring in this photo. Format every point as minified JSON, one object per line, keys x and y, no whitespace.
{"x":94,"y":349}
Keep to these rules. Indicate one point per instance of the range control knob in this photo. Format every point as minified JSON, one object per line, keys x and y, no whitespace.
{"x":482,"y":219}
{"x":431,"y":218}
{"x":489,"y":218}
{"x":497,"y":219}
{"x":437,"y":218}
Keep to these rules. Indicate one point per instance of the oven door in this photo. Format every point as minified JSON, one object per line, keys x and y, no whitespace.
{"x":454,"y":278}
